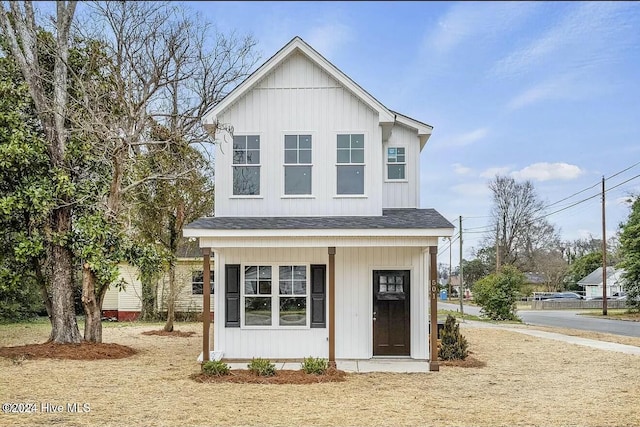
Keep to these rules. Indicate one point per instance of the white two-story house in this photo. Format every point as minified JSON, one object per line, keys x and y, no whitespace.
{"x":321,"y":247}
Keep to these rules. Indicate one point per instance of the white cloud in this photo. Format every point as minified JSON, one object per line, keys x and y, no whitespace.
{"x":474,"y":21}
{"x":461,"y":170}
{"x":467,"y":138}
{"x":553,"y":89}
{"x":548,"y":171}
{"x":589,"y":34}
{"x":492,"y":172}
{"x":329,"y":37}
{"x":472,"y":189}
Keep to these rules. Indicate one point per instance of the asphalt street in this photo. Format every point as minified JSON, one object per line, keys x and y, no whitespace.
{"x":563,"y":319}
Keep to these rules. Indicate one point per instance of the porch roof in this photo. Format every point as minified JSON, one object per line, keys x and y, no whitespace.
{"x":407,"y":218}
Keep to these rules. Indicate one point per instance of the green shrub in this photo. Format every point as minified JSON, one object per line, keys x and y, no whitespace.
{"x":454,"y":344}
{"x":215,"y":367}
{"x":497,"y":294}
{"x":262,"y":367}
{"x":317,"y":366}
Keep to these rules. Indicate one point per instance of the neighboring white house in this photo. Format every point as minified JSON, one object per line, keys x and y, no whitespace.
{"x":126,"y":304}
{"x":320,"y":243}
{"x":592,"y":283}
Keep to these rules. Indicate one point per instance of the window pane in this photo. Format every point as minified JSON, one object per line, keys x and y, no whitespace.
{"x":305,"y":156}
{"x":297,"y":180}
{"x":344,"y":156}
{"x":400,"y":158}
{"x":357,"y":141}
{"x":286,"y":287}
{"x":253,"y":142}
{"x":253,"y":157}
{"x":265,"y":287}
{"x":239,"y":157}
{"x":300,"y":287}
{"x":250,"y":287}
{"x":305,"y":141}
{"x":395,"y":171}
{"x":257,"y":311}
{"x":293,"y":311}
{"x":391,"y":152}
{"x":291,"y":156}
{"x":350,"y":179}
{"x":344,"y":141}
{"x":286,"y":272}
{"x":265,"y":272}
{"x":357,"y":156}
{"x":246,"y":180}
{"x":196,"y":288}
{"x":239,"y":142}
{"x":290,"y":142}
{"x":251,"y":272}
{"x":300,"y":272}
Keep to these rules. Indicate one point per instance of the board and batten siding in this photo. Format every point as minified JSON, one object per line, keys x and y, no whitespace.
{"x":354,"y":303}
{"x":402,"y":194}
{"x":298,"y":97}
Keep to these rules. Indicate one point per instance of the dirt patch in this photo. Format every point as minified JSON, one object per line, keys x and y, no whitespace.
{"x":82,"y":351}
{"x":281,"y":377}
{"x":469,"y":362}
{"x":170,"y":334}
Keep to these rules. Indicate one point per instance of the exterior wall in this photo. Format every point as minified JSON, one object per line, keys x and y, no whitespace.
{"x":126,"y":304}
{"x":354,"y":304}
{"x":397,"y":194}
{"x":298,"y":97}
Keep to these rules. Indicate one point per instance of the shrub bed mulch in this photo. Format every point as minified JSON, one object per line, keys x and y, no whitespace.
{"x":170,"y":334}
{"x":281,"y":377}
{"x":468,"y":362}
{"x":82,"y":351}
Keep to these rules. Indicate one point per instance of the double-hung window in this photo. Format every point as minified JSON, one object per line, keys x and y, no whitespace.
{"x":396,"y":164}
{"x":282,"y":305}
{"x":246,"y":165}
{"x":297,"y":164}
{"x":350,"y":168}
{"x":197,"y":281}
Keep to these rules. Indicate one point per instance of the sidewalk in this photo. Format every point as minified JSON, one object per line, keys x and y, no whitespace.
{"x":586,"y":342}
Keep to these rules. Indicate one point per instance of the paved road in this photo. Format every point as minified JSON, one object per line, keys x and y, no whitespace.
{"x":563,"y":319}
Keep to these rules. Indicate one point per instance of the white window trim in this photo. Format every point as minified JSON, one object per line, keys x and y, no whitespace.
{"x":283,"y":195}
{"x":259,"y":165}
{"x":364,"y":164}
{"x":275,"y":296}
{"x":386,"y":164}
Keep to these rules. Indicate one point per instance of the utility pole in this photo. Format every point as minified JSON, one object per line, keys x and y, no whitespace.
{"x":604,"y":254}
{"x":461,"y":276}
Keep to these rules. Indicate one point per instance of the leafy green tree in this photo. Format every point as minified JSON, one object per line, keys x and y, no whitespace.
{"x":630,"y":249}
{"x":497,"y":293}
{"x":24,"y":201}
{"x":582,"y":267}
{"x":474,"y":270}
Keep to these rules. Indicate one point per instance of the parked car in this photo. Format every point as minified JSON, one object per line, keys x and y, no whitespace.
{"x":565,"y":296}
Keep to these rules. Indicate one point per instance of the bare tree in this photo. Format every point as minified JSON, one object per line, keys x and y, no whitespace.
{"x":165,"y":70}
{"x":553,"y":268}
{"x":21,"y":31}
{"x":522,"y":229}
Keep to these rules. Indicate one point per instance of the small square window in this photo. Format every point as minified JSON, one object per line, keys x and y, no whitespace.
{"x":396,"y":165}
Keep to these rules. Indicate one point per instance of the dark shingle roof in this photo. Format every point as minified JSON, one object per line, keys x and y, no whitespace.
{"x":391,"y":218}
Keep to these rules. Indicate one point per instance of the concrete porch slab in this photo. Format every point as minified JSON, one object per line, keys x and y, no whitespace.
{"x":359,"y":365}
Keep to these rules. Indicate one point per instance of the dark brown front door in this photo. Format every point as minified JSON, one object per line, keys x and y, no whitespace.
{"x":391,"y":326}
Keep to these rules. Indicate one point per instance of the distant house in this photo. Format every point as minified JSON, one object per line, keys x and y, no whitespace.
{"x":592,"y":283}
{"x":321,"y":246}
{"x":125,"y":305}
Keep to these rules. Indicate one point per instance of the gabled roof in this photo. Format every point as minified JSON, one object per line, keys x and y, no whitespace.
{"x":386,"y":116}
{"x":595,"y":277}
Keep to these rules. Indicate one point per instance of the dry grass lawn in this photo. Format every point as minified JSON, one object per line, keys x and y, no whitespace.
{"x":526,"y":381}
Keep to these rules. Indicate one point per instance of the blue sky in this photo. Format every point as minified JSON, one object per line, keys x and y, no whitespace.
{"x":545,"y":91}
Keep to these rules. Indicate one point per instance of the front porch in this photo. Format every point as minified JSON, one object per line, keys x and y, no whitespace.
{"x":394,"y":365}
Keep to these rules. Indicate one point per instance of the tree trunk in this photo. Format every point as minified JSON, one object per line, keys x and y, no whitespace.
{"x":149,"y":297}
{"x":64,"y":327}
{"x":171,"y":302}
{"x":92,"y":303}
{"x":42,"y":282}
